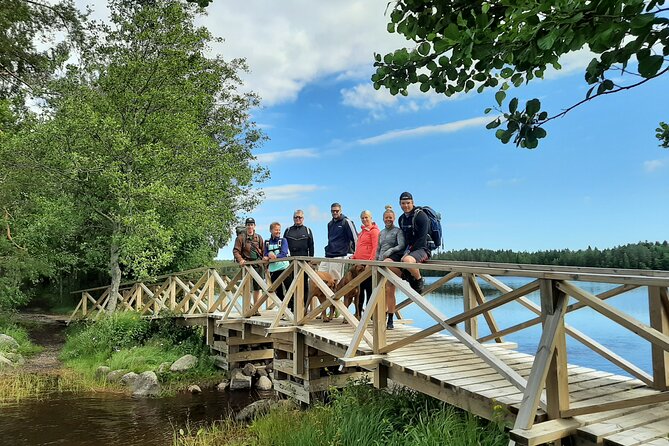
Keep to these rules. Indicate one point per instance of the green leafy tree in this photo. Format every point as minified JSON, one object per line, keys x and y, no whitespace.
{"x":461,"y":46}
{"x":150,"y":141}
{"x":24,"y":66}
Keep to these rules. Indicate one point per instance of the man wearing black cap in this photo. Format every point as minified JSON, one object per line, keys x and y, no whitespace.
{"x":415,"y":226}
{"x":249,"y":247}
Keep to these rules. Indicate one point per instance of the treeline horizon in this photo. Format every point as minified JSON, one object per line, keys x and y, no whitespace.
{"x":641,"y":255}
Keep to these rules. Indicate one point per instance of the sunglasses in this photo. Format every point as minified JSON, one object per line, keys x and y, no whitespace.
{"x":297,"y":217}
{"x":335,"y":211}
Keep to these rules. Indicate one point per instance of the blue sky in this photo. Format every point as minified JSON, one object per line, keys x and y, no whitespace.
{"x":598,"y":179}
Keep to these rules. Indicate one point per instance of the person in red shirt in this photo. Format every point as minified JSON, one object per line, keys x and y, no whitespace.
{"x":365,"y":249}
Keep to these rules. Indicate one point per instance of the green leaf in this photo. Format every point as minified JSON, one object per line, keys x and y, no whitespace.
{"x":649,"y":66}
{"x":493,"y":124}
{"x":642,"y":20}
{"x":539,"y":132}
{"x":533,"y":106}
{"x":424,"y":49}
{"x":424,"y":87}
{"x":391,"y":27}
{"x":513,"y":105}
{"x":452,"y":32}
{"x":499,"y":97}
{"x":487,"y":110}
{"x":546,"y":42}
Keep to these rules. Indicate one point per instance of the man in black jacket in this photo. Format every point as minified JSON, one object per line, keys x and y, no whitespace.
{"x":342,"y":237}
{"x":415,"y":225}
{"x":300,"y":243}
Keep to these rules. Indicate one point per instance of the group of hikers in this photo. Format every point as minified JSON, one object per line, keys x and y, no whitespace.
{"x":411,"y":242}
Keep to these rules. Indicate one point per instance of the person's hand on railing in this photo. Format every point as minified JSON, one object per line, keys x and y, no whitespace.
{"x":242,"y":262}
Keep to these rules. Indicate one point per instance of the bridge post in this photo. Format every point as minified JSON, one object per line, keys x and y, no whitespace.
{"x":379,"y":319}
{"x":471,"y":324}
{"x":557,"y":384}
{"x":246,"y":294}
{"x":84,"y":303}
{"x":658,"y":306}
{"x":298,"y":295}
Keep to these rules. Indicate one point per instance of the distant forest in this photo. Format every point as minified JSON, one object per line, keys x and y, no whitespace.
{"x":642,"y":255}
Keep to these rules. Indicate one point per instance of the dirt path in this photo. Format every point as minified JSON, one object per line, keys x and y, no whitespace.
{"x":48,"y":331}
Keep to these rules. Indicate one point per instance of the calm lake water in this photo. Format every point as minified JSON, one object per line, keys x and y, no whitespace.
{"x":448,"y":299}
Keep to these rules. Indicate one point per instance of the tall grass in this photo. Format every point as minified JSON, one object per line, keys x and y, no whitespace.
{"x":19,"y":333}
{"x":360,"y":415}
{"x":126,"y":341}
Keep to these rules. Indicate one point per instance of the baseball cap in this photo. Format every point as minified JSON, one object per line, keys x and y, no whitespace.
{"x":406,"y":196}
{"x":250,"y":221}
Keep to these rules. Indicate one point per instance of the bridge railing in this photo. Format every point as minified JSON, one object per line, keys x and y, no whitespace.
{"x":230,"y":294}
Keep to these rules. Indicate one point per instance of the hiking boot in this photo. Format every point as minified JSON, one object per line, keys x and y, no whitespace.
{"x":419,"y":285}
{"x":390,"y":326}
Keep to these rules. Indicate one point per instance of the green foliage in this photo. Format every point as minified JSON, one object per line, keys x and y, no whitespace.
{"x":663,"y":134}
{"x":24,"y":23}
{"x":19,"y":333}
{"x":359,"y":414}
{"x":140,"y":162}
{"x":126,"y":341}
{"x":465,"y":46}
{"x":642,"y":255}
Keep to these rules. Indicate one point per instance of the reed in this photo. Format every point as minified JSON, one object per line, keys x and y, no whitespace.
{"x":15,"y":387}
{"x":358,"y":414}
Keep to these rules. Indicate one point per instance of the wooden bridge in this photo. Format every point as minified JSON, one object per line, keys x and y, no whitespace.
{"x":543,"y":397}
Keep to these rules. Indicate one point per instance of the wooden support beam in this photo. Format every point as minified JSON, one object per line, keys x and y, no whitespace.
{"x":557,"y":383}
{"x":541,"y":365}
{"x":641,"y":329}
{"x":299,"y":349}
{"x":582,"y":409}
{"x":430,"y":288}
{"x":659,"y":320}
{"x":471,"y":324}
{"x":361,"y":329}
{"x":379,"y":315}
{"x":361,"y":361}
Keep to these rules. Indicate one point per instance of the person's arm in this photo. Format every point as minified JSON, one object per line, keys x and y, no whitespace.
{"x":399,"y":247}
{"x":378,"y":249}
{"x":375,"y":242}
{"x":310,"y":250}
{"x":265,"y":251}
{"x":283,"y":253}
{"x":351,"y":232}
{"x":237,"y":250}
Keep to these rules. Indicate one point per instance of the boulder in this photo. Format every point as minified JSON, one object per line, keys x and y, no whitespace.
{"x":146,"y":384}
{"x":253,"y":410}
{"x":184,"y":363}
{"x":102,"y":371}
{"x":4,"y":362}
{"x":194,"y":388}
{"x":222,"y":386}
{"x":249,"y":369}
{"x":164,"y":367}
{"x":264,"y":383}
{"x":239,"y":381}
{"x":15,"y":358}
{"x":115,"y":375}
{"x":129,"y":378}
{"x":261,"y":372}
{"x":8,"y":343}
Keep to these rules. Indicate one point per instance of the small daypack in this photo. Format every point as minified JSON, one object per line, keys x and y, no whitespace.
{"x":435,"y":232}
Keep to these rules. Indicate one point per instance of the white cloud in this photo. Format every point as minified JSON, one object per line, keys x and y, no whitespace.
{"x":288,"y":191}
{"x":653,"y":165}
{"x":289,"y":44}
{"x":271,"y":157}
{"x":313,"y":213}
{"x":450,"y":127}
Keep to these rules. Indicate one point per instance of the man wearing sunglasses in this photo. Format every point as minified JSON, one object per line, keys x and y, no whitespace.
{"x":300,"y":243}
{"x":342,"y":237}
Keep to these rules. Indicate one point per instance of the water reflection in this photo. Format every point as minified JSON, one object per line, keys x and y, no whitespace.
{"x":448,"y":299}
{"x":109,"y":419}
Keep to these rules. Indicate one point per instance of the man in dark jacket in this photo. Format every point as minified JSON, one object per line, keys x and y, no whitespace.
{"x":342,"y":237}
{"x":300,"y":243}
{"x":415,"y":225}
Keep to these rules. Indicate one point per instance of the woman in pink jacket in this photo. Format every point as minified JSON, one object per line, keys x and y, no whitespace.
{"x":365,"y":249}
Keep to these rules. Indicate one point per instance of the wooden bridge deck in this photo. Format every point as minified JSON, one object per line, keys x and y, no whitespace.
{"x":444,"y":368}
{"x":542,"y":396}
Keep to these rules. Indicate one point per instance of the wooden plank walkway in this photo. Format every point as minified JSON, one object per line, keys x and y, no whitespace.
{"x":442,"y":367}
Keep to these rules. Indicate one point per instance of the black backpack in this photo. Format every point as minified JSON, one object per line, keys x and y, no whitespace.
{"x":435,"y":232}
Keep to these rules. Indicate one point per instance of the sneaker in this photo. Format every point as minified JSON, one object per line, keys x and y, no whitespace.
{"x":390,"y":326}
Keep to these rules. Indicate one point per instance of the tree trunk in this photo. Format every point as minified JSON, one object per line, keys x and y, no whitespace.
{"x":115,"y":271}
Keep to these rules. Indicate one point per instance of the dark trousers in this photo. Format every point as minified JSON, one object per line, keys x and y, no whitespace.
{"x":288,"y":282}
{"x":280,"y":292}
{"x":365,"y":292}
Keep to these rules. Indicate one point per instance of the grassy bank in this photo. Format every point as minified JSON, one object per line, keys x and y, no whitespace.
{"x":9,"y":327}
{"x":125,"y":341}
{"x":359,"y":414}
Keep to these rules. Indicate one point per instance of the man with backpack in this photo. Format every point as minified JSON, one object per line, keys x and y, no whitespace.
{"x":417,"y":227}
{"x":249,"y":247}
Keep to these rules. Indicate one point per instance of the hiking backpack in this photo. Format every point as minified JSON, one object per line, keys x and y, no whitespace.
{"x":435,"y":232}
